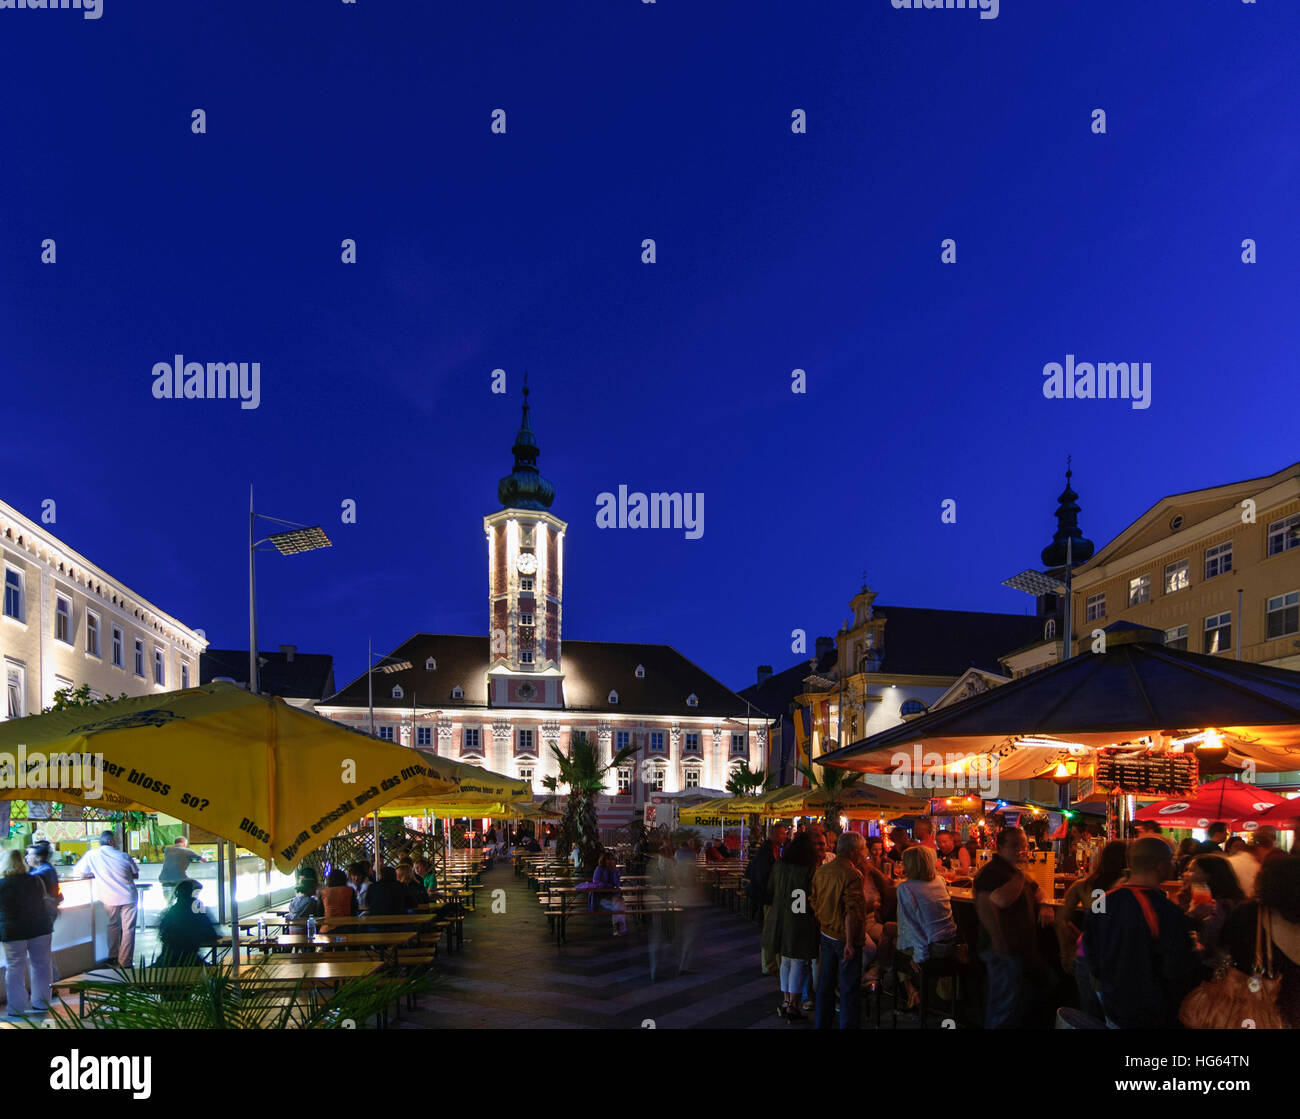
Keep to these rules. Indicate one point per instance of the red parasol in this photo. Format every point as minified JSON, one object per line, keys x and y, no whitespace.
{"x":1232,"y":802}
{"x":1285,"y":816}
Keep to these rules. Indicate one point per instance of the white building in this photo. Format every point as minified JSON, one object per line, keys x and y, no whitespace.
{"x":66,"y":622}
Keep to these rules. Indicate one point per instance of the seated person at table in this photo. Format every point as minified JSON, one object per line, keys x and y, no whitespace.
{"x":424,"y":872}
{"x":359,"y":878}
{"x":185,"y":926}
{"x":926,"y":929}
{"x":711,"y":853}
{"x":606,"y":893}
{"x":951,"y":856}
{"x":900,"y":841}
{"x":880,"y":910}
{"x":876,"y":852}
{"x":416,"y":894}
{"x":337,"y":898}
{"x":385,"y":897}
{"x":305,"y":903}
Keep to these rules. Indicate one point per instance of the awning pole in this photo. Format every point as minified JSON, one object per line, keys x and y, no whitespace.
{"x":233,"y":849}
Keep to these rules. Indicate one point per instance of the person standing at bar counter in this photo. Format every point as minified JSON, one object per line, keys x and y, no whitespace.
{"x":115,"y":874}
{"x":1008,"y":906}
{"x":25,"y":928}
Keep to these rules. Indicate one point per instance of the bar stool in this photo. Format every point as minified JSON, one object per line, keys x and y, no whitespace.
{"x":927,"y":971}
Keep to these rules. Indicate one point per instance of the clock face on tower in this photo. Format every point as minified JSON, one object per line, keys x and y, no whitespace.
{"x":526,"y":562}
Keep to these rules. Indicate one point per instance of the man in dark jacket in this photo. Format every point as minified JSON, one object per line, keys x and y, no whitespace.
{"x":386,"y":896}
{"x":1139,"y":945}
{"x":25,"y":928}
{"x":758,"y":875}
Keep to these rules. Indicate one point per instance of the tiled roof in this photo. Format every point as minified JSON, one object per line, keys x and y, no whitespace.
{"x":922,"y":642}
{"x":306,"y":676}
{"x":592,"y":669}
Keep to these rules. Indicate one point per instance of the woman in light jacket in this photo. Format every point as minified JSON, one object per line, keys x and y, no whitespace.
{"x":925,"y":926}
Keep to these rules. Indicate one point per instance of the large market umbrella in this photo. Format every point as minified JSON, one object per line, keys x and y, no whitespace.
{"x":862,"y":796}
{"x":479,"y":792}
{"x":1136,"y":688}
{"x":1285,"y":815}
{"x":274,"y":779}
{"x":1226,"y":800}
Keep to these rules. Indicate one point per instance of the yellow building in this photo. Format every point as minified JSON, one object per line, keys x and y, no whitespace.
{"x":1217,"y":569}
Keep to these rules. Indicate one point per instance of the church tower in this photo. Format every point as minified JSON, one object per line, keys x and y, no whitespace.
{"x":525,"y":583}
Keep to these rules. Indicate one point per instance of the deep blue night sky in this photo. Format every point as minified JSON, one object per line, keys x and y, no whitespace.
{"x":776,"y":251}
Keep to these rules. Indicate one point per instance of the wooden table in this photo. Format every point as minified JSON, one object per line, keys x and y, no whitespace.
{"x":381,"y":941}
{"x":419,"y":921}
{"x":288,"y":972}
{"x":560,"y":920}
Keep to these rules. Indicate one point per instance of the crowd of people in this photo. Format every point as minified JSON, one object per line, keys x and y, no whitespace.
{"x":843,"y":914}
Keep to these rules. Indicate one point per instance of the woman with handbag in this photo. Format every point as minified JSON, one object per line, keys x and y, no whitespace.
{"x":1261,"y":986}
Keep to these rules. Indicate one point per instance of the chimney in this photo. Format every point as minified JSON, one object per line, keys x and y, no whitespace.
{"x":288,"y":651}
{"x":764,"y":673}
{"x":824,"y":646}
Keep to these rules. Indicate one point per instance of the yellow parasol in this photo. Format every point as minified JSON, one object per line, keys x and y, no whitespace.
{"x":272,"y":778}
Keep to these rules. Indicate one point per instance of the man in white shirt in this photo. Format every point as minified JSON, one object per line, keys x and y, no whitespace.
{"x":115,"y":875}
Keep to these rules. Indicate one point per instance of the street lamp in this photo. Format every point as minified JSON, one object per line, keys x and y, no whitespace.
{"x":298,"y":538}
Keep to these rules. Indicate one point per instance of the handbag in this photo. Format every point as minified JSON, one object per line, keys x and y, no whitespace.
{"x":1233,"y":998}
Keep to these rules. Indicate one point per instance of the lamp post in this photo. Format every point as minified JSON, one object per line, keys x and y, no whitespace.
{"x":297,"y":538}
{"x":387,"y":669}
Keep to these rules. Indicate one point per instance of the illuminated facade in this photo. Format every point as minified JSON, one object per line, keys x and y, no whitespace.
{"x":507,"y":699}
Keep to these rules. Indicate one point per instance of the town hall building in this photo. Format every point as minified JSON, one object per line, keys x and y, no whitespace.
{"x":504,"y":699}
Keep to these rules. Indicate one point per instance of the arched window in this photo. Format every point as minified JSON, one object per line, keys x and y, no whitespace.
{"x":613,"y":697}
{"x":1049,"y":630}
{"x":640,"y":672}
{"x":911,"y":707}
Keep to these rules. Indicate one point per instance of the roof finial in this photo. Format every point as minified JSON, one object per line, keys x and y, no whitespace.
{"x":1068,"y":458}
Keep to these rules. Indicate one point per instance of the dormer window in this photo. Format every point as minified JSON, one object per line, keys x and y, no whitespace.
{"x":640,"y":672}
{"x":397,"y":691}
{"x":430,"y":665}
{"x":692,"y":700}
{"x":457,"y":692}
{"x":613,"y":697}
